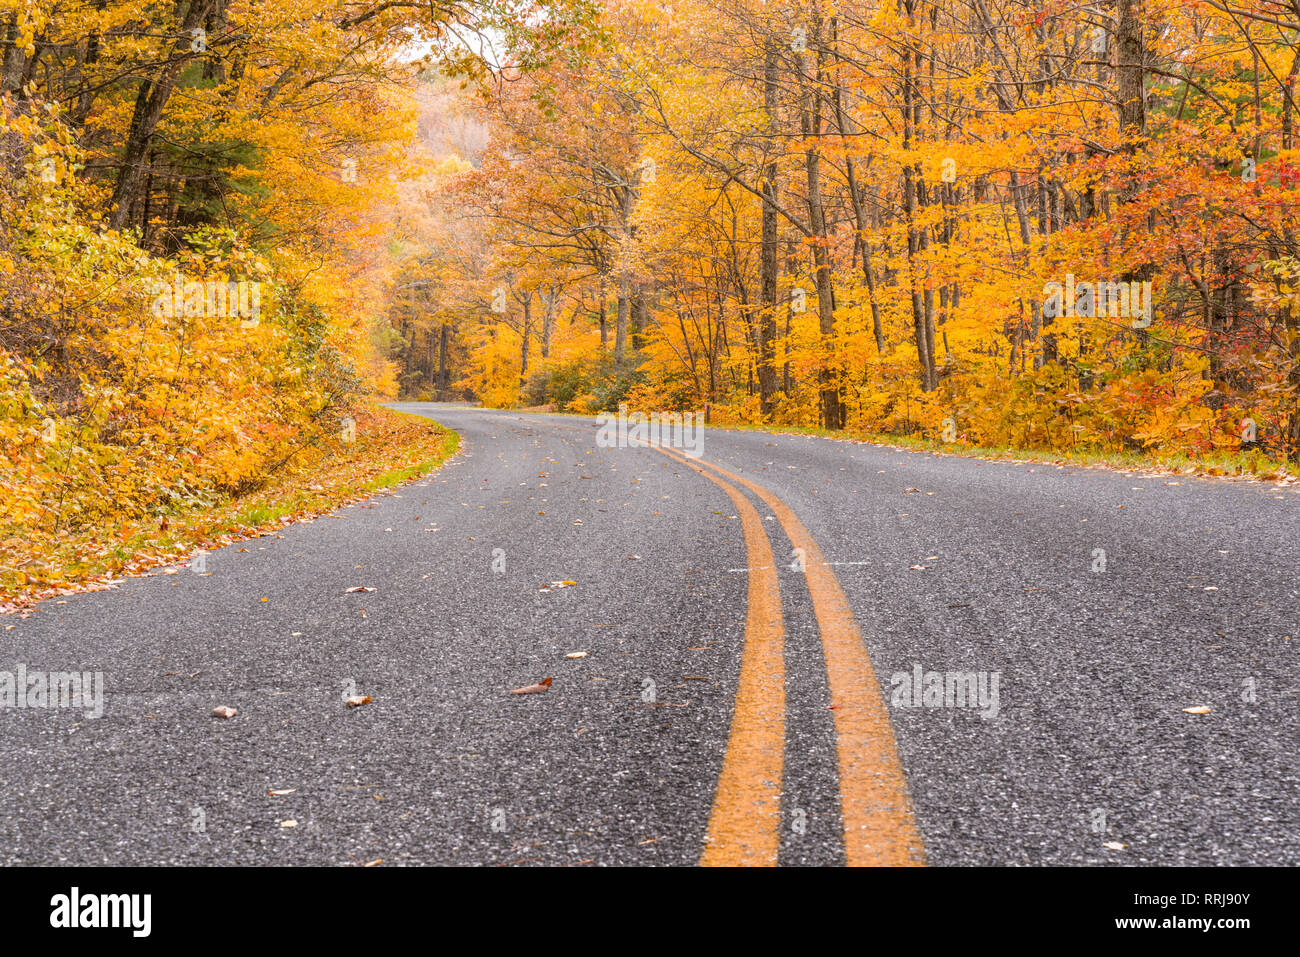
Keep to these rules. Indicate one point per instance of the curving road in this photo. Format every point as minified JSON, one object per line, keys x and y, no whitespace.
{"x":797,"y":651}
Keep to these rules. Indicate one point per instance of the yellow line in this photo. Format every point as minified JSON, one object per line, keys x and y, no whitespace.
{"x":879,"y":826}
{"x":745,"y":824}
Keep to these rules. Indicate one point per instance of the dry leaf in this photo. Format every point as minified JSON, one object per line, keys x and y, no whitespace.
{"x":357,"y":700}
{"x":354,"y":590}
{"x":1114,"y":845}
{"x":281,"y":793}
{"x":541,"y":686}
{"x":289,"y":823}
{"x":576,"y":654}
{"x":221,"y":711}
{"x":1198,"y":709}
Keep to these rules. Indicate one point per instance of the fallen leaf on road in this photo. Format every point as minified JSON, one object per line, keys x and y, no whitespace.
{"x":576,"y":654}
{"x":221,"y":711}
{"x":281,"y":793}
{"x":375,"y":863}
{"x":1114,"y":845}
{"x":917,"y":568}
{"x":357,"y":700}
{"x":289,"y":823}
{"x":357,"y":588}
{"x":541,"y":686}
{"x":1197,"y":709}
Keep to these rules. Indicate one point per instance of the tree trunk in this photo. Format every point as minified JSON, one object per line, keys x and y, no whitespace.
{"x":150,"y":100}
{"x":620,"y":325}
{"x":769,"y":261}
{"x":1131,"y":68}
{"x":526,"y":330}
{"x":14,"y":60}
{"x":604,"y":323}
{"x":832,"y":413}
{"x":442,"y":361}
{"x":548,"y":321}
{"x":911,"y":189}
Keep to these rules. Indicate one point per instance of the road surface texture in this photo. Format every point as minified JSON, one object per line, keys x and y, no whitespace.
{"x":729,"y":707}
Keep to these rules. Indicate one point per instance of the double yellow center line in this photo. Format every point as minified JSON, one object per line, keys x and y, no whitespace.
{"x":745,"y":824}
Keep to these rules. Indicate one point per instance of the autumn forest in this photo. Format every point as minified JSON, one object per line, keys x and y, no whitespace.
{"x":228,"y":227}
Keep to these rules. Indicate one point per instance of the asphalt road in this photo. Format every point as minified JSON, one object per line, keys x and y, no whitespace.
{"x":642,"y":751}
